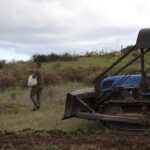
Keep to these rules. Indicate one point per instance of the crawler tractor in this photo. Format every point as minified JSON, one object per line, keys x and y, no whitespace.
{"x":121,"y":101}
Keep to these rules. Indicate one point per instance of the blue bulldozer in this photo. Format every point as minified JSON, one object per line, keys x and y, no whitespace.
{"x":120,"y":101}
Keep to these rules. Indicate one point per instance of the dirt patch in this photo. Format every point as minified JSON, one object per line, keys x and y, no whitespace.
{"x":82,"y":140}
{"x":11,"y":108}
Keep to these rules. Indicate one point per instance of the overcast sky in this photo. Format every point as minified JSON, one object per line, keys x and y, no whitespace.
{"x":28,"y":27}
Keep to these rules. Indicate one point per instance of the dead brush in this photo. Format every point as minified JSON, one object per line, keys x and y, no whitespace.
{"x":51,"y":77}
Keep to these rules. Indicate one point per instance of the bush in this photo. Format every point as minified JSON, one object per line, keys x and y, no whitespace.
{"x":16,"y":74}
{"x":53,"y":57}
{"x":51,"y":77}
{"x":2,"y":63}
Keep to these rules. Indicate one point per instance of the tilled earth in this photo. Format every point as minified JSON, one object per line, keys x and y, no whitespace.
{"x":80,"y":140}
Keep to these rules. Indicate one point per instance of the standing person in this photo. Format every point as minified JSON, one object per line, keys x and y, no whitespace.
{"x":36,"y":90}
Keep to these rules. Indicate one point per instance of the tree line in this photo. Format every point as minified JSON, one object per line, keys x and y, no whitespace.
{"x":54,"y":57}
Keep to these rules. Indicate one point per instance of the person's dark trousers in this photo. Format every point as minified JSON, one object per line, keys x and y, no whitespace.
{"x":35,"y":96}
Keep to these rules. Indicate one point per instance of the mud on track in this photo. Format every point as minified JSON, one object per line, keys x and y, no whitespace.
{"x":81,"y":140}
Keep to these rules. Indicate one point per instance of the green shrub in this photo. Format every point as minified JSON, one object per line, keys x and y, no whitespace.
{"x":53,"y":57}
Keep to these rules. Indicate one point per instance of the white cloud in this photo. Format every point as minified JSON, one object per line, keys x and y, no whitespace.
{"x":65,"y":24}
{"x":10,"y":54}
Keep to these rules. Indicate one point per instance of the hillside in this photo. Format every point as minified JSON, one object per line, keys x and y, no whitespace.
{"x":18,"y":121}
{"x":84,"y":69}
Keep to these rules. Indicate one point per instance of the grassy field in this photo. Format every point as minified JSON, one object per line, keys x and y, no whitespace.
{"x":85,"y":69}
{"x":101,"y":61}
{"x":21,"y":128}
{"x":16,"y":107}
{"x":92,"y":66}
{"x":16,"y":110}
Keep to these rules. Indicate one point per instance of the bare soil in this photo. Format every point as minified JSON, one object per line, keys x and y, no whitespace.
{"x":80,"y":140}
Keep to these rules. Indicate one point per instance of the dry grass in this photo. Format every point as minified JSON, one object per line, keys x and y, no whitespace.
{"x":16,"y":110}
{"x":16,"y":107}
{"x":82,"y":70}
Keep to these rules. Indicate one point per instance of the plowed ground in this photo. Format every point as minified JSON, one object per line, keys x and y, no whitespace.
{"x":80,"y":140}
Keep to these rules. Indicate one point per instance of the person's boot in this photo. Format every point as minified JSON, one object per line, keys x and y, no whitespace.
{"x":35,"y":108}
{"x":38,"y":106}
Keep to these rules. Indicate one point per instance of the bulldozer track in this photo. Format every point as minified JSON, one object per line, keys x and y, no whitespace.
{"x":128,"y":127}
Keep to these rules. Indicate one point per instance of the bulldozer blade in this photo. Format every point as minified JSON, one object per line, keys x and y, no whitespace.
{"x":113,"y":118}
{"x":77,"y":105}
{"x":74,"y":101}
